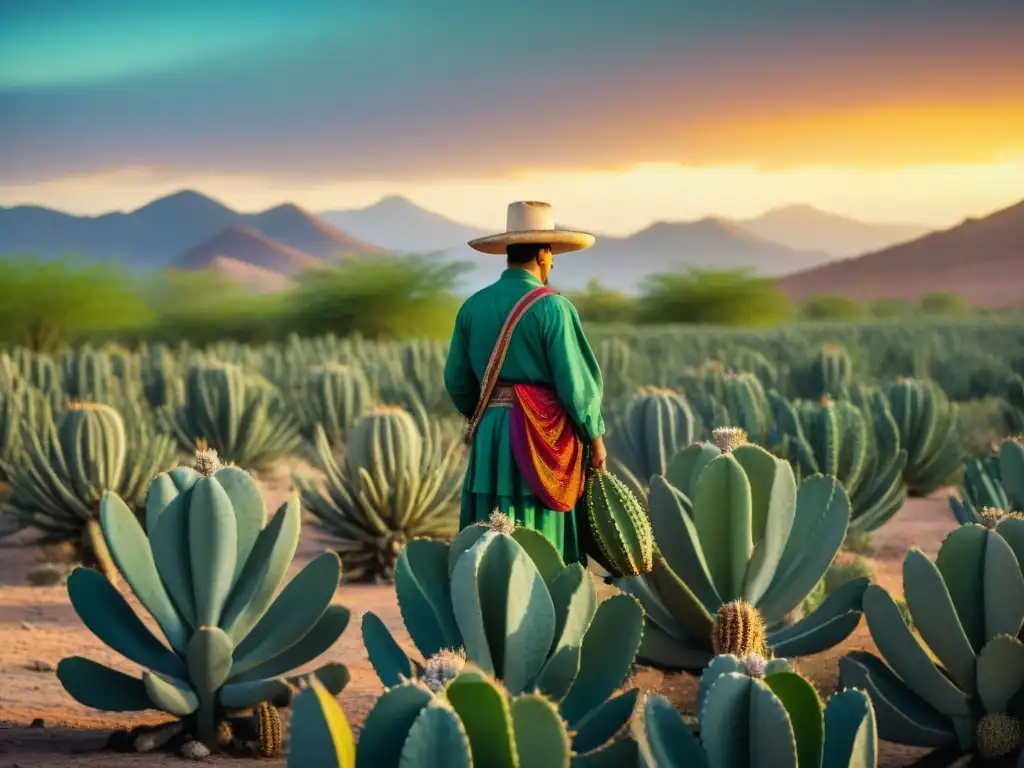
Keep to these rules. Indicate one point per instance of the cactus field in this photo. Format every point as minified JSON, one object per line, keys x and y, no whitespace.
{"x":251,"y":555}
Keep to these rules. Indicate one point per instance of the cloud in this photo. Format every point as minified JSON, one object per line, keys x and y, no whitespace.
{"x":416,"y":92}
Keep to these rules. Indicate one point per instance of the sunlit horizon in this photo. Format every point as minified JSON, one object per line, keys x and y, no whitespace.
{"x":612,"y":202}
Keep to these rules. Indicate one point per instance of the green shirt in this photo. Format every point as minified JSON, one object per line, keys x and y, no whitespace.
{"x":548,"y":347}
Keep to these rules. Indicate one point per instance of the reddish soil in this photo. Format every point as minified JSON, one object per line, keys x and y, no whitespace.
{"x":38,"y":628}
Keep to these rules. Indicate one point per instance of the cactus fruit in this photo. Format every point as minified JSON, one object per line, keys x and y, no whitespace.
{"x":728,"y":438}
{"x":738,"y":630}
{"x":209,"y":572}
{"x":735,"y":527}
{"x":998,"y":735}
{"x":399,"y":481}
{"x":619,"y":525}
{"x":268,"y":730}
{"x":443,"y":667}
{"x":521,"y":616}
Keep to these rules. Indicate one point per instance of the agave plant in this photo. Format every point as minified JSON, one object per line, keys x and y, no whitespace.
{"x":958,"y":682}
{"x":753,"y":716}
{"x":334,"y":397}
{"x":929,"y":432}
{"x":733,"y":526}
{"x":232,"y":414}
{"x":502,"y":598}
{"x":395,"y":483}
{"x":861,"y":452}
{"x":70,"y":460}
{"x":654,"y":426}
{"x":995,"y":482}
{"x":209,"y":573}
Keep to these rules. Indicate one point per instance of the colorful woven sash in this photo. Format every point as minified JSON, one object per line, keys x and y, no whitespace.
{"x":545,"y":447}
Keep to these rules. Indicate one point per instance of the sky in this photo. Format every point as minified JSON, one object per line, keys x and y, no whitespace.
{"x":618,"y":113}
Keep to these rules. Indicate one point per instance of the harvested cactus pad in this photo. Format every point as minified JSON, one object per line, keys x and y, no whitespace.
{"x":619,"y":525}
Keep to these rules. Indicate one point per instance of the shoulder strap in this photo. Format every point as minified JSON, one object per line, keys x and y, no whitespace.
{"x":497,"y":358}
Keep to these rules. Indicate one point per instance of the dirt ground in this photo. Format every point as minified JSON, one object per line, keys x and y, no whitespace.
{"x":41,"y":726}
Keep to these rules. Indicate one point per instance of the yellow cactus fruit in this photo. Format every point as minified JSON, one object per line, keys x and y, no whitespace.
{"x":739,"y":631}
{"x":268,"y":730}
{"x":998,"y":735}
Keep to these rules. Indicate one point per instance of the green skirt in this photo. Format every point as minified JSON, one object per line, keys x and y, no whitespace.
{"x":493,"y":482}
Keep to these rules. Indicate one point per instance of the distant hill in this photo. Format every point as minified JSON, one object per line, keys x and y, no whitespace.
{"x":981,"y":259}
{"x":250,"y":277}
{"x":244,"y":244}
{"x":157,"y":234}
{"x":804,"y":227}
{"x":400,"y":225}
{"x":300,"y":229}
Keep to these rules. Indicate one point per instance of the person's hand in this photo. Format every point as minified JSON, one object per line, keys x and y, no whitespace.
{"x":598,"y":454}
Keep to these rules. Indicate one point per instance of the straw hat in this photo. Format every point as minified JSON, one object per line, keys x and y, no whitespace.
{"x":532,"y":222}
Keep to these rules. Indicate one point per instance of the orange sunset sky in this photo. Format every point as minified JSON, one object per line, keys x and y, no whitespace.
{"x":619,"y":114}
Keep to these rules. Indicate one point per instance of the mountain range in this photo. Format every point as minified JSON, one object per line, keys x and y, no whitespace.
{"x":982,"y":260}
{"x":807,"y":247}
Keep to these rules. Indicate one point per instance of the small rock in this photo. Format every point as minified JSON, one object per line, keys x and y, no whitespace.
{"x":27,"y":625}
{"x":40,"y":666}
{"x":38,"y":723}
{"x":194,"y":750}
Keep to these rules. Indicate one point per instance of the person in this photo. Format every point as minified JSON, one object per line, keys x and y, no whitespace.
{"x":520,"y":369}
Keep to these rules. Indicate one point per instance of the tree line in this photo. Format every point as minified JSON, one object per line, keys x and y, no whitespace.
{"x":46,"y":304}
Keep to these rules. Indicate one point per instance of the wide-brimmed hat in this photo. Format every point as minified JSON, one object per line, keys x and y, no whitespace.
{"x":530,"y":222}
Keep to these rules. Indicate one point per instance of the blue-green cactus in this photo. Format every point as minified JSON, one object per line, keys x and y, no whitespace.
{"x":209,"y":573}
{"x":319,"y":734}
{"x":961,"y":672}
{"x":859,"y":447}
{"x":69,"y":461}
{"x":774,"y":719}
{"x":237,"y":414}
{"x":399,"y":481}
{"x":475,"y":722}
{"x":519,"y":613}
{"x":654,"y":425}
{"x":995,"y":482}
{"x":735,"y":526}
